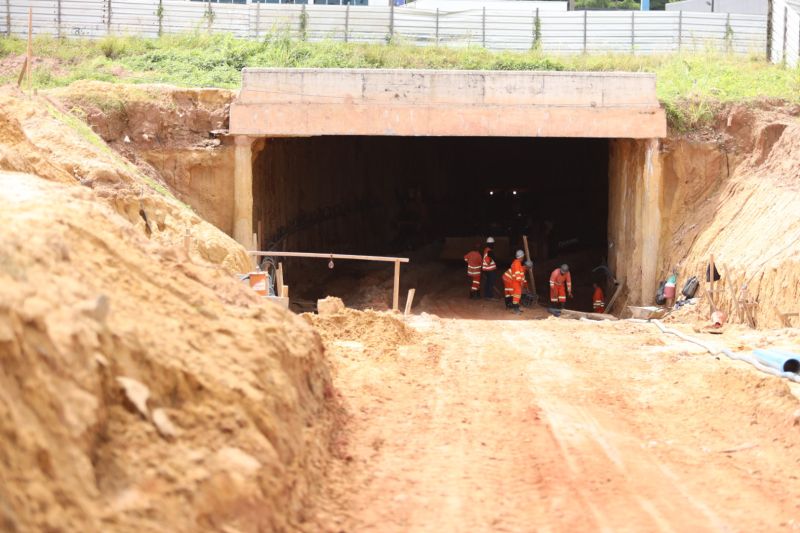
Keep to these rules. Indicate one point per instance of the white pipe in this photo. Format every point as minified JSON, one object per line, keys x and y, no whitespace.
{"x":738,"y":357}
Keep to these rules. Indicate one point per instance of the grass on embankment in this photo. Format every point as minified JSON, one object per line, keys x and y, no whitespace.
{"x":689,"y":85}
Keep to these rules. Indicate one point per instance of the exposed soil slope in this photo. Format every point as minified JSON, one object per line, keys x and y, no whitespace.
{"x":141,"y":389}
{"x":737,"y":196}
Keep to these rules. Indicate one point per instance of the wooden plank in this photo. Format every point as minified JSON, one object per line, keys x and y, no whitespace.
{"x":529,"y":258}
{"x":614,"y":296}
{"x":396,"y":291}
{"x":409,"y":300}
{"x":569,"y":313}
{"x":332,"y":256}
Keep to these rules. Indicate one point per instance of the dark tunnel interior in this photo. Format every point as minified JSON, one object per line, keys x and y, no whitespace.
{"x":397,"y":195}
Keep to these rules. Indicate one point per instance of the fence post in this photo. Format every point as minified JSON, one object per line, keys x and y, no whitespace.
{"x":680,"y":30}
{"x":728,"y":34}
{"x":437,"y":26}
{"x":770,"y":14}
{"x":346,"y":21}
{"x":258,"y":20}
{"x":633,"y":32}
{"x":209,"y":16}
{"x":391,"y":20}
{"x":585,"y":22}
{"x":483,"y":27}
{"x":108,"y":19}
{"x":785,"y":24}
{"x":160,"y":17}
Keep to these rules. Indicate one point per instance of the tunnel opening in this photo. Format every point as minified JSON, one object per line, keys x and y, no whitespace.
{"x":431,"y":199}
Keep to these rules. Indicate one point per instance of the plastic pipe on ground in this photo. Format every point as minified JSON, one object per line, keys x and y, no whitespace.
{"x":783,"y":361}
{"x":791,"y":376}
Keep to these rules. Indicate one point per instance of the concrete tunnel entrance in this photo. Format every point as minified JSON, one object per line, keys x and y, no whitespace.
{"x":384,"y":161}
{"x":431,"y":197}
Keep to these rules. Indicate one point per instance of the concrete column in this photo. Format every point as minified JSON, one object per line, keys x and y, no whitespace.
{"x":243,"y":191}
{"x":650,"y":227}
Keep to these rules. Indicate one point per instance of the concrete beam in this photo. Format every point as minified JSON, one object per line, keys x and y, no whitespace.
{"x":304,"y":102}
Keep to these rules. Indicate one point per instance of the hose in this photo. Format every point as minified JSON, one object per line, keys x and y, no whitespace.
{"x":731,"y":355}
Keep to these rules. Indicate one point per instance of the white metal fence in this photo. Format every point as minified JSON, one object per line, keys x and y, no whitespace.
{"x":556,"y":32}
{"x":785,"y":32}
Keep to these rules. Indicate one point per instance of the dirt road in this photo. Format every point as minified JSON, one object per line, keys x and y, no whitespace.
{"x":498,"y":424}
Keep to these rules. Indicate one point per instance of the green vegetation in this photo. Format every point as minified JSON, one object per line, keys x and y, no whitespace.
{"x":689,"y":85}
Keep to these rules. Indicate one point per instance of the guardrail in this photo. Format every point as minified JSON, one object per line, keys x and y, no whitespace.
{"x":553,"y":32}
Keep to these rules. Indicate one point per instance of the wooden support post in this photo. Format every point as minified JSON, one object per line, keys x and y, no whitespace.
{"x":260,"y":233}
{"x":279,"y":280}
{"x":29,"y":61}
{"x":613,"y":299}
{"x":409,"y":300}
{"x":396,"y":291}
{"x":529,"y":258}
{"x":22,"y":72}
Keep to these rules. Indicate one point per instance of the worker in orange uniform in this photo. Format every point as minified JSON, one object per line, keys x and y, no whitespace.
{"x":514,"y":281}
{"x":598,"y":299}
{"x":558,"y":279}
{"x":474,"y":261}
{"x":489,"y":268}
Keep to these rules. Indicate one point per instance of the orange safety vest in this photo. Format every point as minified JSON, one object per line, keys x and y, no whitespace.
{"x":488,"y":262}
{"x":474,"y":261}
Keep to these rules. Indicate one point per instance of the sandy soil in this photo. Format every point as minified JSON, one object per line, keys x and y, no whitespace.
{"x":492,"y":423}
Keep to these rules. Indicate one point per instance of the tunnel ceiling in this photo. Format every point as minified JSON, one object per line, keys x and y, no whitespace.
{"x":311,"y":102}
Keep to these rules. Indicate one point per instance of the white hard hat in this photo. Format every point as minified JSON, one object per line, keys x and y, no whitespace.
{"x":520,"y":254}
{"x":490,"y":240}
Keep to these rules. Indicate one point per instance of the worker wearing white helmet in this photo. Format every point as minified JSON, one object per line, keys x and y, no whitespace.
{"x":514,"y":281}
{"x":489,"y":268}
{"x":559,"y":278}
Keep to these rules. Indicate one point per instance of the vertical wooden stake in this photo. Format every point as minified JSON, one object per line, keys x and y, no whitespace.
{"x":528,"y":257}
{"x":30,"y":50}
{"x":396,"y":292}
{"x":260,"y":236}
{"x":409,"y":300}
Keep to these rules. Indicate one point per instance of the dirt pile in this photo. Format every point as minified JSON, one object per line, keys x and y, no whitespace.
{"x":166,"y":132}
{"x":229,"y":431}
{"x":737,"y":196}
{"x":379,"y":332}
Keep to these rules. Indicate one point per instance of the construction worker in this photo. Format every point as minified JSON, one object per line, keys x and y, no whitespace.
{"x":558,"y":279}
{"x":598,"y":299}
{"x":474,"y":260}
{"x":514,"y":281}
{"x":489,"y":268}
